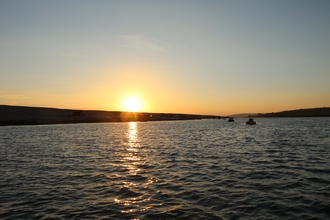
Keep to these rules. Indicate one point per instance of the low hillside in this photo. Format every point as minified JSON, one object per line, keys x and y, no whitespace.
{"x":21,"y":115}
{"x":309,"y":112}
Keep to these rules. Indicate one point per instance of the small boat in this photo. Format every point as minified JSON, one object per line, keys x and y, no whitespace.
{"x":231,"y":119}
{"x":250,"y":122}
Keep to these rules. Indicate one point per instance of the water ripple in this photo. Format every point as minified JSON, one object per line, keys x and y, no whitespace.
{"x":207,"y":169}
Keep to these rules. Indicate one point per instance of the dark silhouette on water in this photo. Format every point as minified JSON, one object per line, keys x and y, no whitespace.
{"x":250,"y":122}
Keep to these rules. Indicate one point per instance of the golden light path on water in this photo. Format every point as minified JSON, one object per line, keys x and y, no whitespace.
{"x":133,"y":149}
{"x":132,"y":161}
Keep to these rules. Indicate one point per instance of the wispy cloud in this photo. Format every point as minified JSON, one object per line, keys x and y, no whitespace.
{"x":5,"y":95}
{"x":73,"y":55}
{"x":141,"y":43}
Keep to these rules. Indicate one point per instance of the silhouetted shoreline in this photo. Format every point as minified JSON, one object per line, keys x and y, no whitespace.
{"x":22,"y":115}
{"x":308,"y":112}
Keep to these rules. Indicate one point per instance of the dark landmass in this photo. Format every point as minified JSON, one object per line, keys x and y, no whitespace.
{"x":21,"y":115}
{"x":309,"y":112}
{"x":242,"y":115}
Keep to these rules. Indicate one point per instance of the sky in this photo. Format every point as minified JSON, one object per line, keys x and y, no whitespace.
{"x":198,"y":57}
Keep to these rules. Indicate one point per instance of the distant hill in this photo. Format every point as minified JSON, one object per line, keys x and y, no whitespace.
{"x":22,"y":115}
{"x":242,"y":115}
{"x":309,"y":112}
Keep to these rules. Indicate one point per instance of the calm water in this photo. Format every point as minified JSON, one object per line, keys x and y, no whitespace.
{"x":206,"y":169}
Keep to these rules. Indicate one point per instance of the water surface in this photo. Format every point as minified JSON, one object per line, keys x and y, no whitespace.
{"x":203,"y":169}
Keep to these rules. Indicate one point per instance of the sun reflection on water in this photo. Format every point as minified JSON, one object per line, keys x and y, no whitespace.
{"x":133,"y":198}
{"x":132,"y":157}
{"x":132,"y":132}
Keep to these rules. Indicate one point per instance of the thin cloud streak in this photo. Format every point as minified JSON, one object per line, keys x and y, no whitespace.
{"x":74,"y":55}
{"x":140,"y":43}
{"x":3,"y":95}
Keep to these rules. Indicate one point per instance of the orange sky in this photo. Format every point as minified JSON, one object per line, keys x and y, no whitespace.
{"x":219,"y":57}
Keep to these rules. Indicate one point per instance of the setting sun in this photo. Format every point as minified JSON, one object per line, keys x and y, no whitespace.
{"x":132,"y":104}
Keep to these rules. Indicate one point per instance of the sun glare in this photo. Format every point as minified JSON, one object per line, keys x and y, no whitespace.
{"x":132,"y":104}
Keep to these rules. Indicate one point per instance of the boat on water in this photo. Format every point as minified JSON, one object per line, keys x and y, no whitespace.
{"x":250,"y":122}
{"x":231,"y":119}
